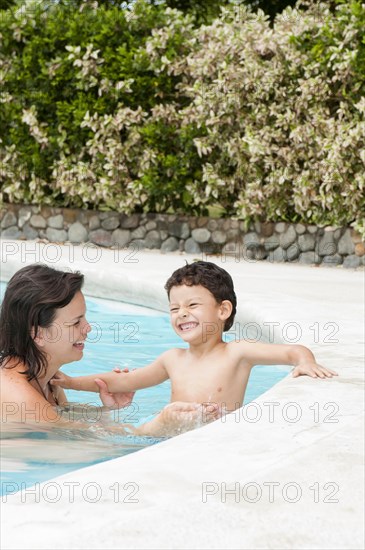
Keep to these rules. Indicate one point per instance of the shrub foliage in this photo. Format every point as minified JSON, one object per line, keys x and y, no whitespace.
{"x":140,"y":109}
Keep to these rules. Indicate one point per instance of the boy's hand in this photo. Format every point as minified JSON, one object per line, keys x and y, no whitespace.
{"x":61,"y":379}
{"x":114,"y":400}
{"x":314,"y":370}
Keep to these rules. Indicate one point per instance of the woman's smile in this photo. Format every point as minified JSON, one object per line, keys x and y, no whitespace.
{"x":79,"y":345}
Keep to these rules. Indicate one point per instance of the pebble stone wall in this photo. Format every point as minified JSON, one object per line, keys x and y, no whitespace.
{"x":274,"y":242}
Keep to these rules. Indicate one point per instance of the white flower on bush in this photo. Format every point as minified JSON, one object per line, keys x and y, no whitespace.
{"x":88,"y":63}
{"x":36,"y":129}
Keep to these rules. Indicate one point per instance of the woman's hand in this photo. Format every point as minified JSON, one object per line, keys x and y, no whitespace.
{"x":190,"y":414}
{"x":114,"y":400}
{"x":180,"y":417}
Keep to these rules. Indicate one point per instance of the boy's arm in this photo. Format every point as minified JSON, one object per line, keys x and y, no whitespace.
{"x":257,"y":353}
{"x":151,"y":375}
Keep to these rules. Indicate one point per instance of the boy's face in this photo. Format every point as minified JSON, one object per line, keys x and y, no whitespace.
{"x":195,"y":313}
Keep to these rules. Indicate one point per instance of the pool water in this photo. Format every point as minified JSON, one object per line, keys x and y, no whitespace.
{"x":122,"y":335}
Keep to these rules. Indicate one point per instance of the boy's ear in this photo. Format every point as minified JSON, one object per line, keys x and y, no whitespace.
{"x":226,"y":309}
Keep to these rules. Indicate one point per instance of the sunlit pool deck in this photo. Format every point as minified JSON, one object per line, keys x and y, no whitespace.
{"x":293,"y":479}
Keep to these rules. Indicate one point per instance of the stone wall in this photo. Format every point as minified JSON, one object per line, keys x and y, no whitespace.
{"x":275,"y":242}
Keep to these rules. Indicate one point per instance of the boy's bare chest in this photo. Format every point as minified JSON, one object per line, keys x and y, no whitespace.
{"x":204,"y":381}
{"x":194,"y":371}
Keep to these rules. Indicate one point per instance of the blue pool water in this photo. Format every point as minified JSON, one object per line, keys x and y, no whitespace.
{"x":123,"y":335}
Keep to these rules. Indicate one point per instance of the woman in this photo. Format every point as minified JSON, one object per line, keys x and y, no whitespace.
{"x":43,"y":326}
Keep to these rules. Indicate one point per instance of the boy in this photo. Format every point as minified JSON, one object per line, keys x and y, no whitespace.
{"x":203,"y":306}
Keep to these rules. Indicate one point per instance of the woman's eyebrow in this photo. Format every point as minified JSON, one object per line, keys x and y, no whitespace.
{"x":75,"y":318}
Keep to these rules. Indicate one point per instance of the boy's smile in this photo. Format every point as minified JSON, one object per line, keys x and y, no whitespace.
{"x":187,"y":326}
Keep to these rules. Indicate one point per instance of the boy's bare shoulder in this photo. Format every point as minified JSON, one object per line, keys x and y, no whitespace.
{"x":239,"y":346}
{"x":234,"y":346}
{"x":171,"y":355}
{"x":240,"y":351}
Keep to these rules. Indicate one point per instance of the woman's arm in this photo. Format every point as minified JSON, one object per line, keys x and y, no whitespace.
{"x":31,"y":407}
{"x":176,"y":418}
{"x":60,"y":395}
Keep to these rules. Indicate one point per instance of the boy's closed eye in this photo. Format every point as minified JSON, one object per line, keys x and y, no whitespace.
{"x":174,"y":309}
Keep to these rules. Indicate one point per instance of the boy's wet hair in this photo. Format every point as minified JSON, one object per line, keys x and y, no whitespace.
{"x":210,"y":276}
{"x":30,"y":301}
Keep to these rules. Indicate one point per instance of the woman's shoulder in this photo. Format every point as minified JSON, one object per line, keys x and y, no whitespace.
{"x":20,"y":399}
{"x":14,"y":384}
{"x":11,"y":369}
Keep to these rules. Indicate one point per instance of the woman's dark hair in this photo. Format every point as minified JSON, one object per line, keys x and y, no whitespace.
{"x":30,"y":301}
{"x":210,"y":276}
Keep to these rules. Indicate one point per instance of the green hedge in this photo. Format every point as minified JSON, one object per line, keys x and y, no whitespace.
{"x":141,"y":110}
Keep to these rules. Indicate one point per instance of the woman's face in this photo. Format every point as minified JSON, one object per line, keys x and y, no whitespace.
{"x":63,"y":341}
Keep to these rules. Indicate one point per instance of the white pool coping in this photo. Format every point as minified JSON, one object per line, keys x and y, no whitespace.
{"x":321,"y":461}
